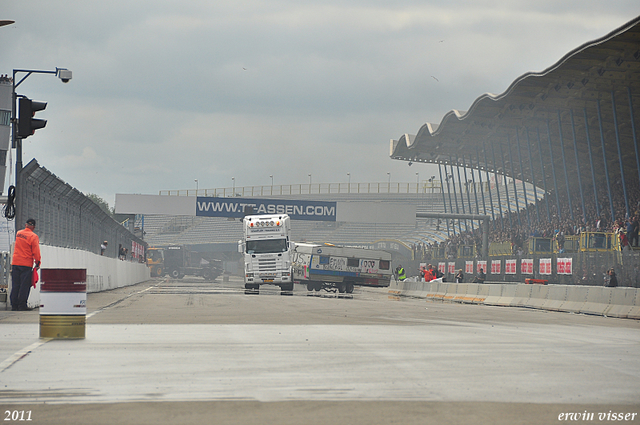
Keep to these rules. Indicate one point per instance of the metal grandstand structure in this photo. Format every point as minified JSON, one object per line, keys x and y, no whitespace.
{"x":570,"y":129}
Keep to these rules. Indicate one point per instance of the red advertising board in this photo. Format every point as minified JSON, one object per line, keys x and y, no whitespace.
{"x":545,"y":266}
{"x":565,"y":265}
{"x":526,"y":266}
{"x":496,"y":265}
{"x":468,"y":267}
{"x":481,"y":265}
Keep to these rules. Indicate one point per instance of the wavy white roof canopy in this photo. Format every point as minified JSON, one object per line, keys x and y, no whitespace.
{"x":573,"y":99}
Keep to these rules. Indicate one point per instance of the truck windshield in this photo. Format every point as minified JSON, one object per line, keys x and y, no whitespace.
{"x":266,"y":246}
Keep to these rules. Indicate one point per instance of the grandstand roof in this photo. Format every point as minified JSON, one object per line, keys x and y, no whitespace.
{"x":571,"y":100}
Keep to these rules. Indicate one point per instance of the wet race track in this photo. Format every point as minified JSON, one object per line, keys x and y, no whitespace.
{"x":189,"y":351}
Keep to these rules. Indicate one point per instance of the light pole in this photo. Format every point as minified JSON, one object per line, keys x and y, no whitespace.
{"x":418,"y":181}
{"x":271,"y":175}
{"x":196,"y":180}
{"x":389,"y":183}
{"x":233,"y":179}
{"x":16,"y":142}
{"x":349,"y":186}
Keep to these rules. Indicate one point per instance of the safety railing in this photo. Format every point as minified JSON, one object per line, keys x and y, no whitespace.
{"x":311,"y":189}
{"x":466,"y":251}
{"x":500,"y":248}
{"x":540,"y":245}
{"x":598,"y":241}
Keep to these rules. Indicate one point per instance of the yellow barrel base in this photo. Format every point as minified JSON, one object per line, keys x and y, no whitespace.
{"x":62,"y":327}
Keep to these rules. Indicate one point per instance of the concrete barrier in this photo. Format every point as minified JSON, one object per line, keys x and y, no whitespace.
{"x":435,"y":291}
{"x":466,"y":293}
{"x":576,"y":297}
{"x":451,"y":290}
{"x":522,"y":295}
{"x":538,"y":296}
{"x":622,"y":302}
{"x":508,"y":296}
{"x":472,"y":293}
{"x":495,"y":293}
{"x":412,"y":289}
{"x":615,"y":302}
{"x":598,"y":300}
{"x":441,"y":291}
{"x":634,"y":313}
{"x":482,"y":292}
{"x":556,"y":296}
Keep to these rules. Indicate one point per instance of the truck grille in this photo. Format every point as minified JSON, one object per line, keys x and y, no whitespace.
{"x":267,"y":265}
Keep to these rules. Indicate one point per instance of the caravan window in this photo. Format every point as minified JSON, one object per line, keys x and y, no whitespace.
{"x":384,"y":265}
{"x":353,"y":262}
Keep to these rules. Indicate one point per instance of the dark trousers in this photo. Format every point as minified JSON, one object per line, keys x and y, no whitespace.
{"x":21,"y":281}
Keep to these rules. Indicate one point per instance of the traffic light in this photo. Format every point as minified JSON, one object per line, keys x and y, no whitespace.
{"x":27,"y":125}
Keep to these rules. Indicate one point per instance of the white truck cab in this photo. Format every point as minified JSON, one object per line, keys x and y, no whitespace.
{"x":266,"y":247}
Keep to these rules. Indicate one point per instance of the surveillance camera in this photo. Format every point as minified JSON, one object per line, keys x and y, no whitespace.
{"x":65,"y":75}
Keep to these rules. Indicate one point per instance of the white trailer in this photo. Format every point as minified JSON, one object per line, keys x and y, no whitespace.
{"x":327,"y":266}
{"x":266,"y":247}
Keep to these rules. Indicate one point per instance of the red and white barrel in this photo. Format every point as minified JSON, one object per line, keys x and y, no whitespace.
{"x":63,"y":303}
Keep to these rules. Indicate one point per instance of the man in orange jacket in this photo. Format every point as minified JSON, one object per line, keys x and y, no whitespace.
{"x":429,"y":274}
{"x":26,"y":252}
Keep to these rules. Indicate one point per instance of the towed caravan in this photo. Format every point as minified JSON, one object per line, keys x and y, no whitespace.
{"x":328,"y":266}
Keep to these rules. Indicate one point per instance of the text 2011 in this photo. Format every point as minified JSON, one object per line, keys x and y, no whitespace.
{"x":17,"y":415}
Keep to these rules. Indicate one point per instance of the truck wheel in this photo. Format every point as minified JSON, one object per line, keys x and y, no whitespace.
{"x":206,"y":274}
{"x":349,"y":287}
{"x":309,"y":286}
{"x":342,"y":287}
{"x":175,"y":273}
{"x":159,"y":271}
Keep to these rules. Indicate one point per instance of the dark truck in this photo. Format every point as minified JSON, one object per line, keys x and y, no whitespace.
{"x":177,"y":261}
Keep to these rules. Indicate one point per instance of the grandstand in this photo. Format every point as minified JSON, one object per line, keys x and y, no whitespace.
{"x":572,"y":132}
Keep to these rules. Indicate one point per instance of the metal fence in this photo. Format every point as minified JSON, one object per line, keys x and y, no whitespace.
{"x":66,"y":217}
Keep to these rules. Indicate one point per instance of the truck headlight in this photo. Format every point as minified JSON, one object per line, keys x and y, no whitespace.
{"x":249,"y":275}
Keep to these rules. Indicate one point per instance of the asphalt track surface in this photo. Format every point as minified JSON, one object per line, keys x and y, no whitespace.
{"x":195,"y":352}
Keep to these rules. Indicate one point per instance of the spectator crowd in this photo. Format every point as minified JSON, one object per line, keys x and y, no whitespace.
{"x":549,"y":221}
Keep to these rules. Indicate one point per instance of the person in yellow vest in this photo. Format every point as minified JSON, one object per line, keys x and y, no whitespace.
{"x":402,"y":275}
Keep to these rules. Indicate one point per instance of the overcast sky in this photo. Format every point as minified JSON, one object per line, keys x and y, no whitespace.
{"x":167,"y":92}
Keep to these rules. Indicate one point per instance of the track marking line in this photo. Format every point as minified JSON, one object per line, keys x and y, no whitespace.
{"x":19,"y":355}
{"x":118,"y":302}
